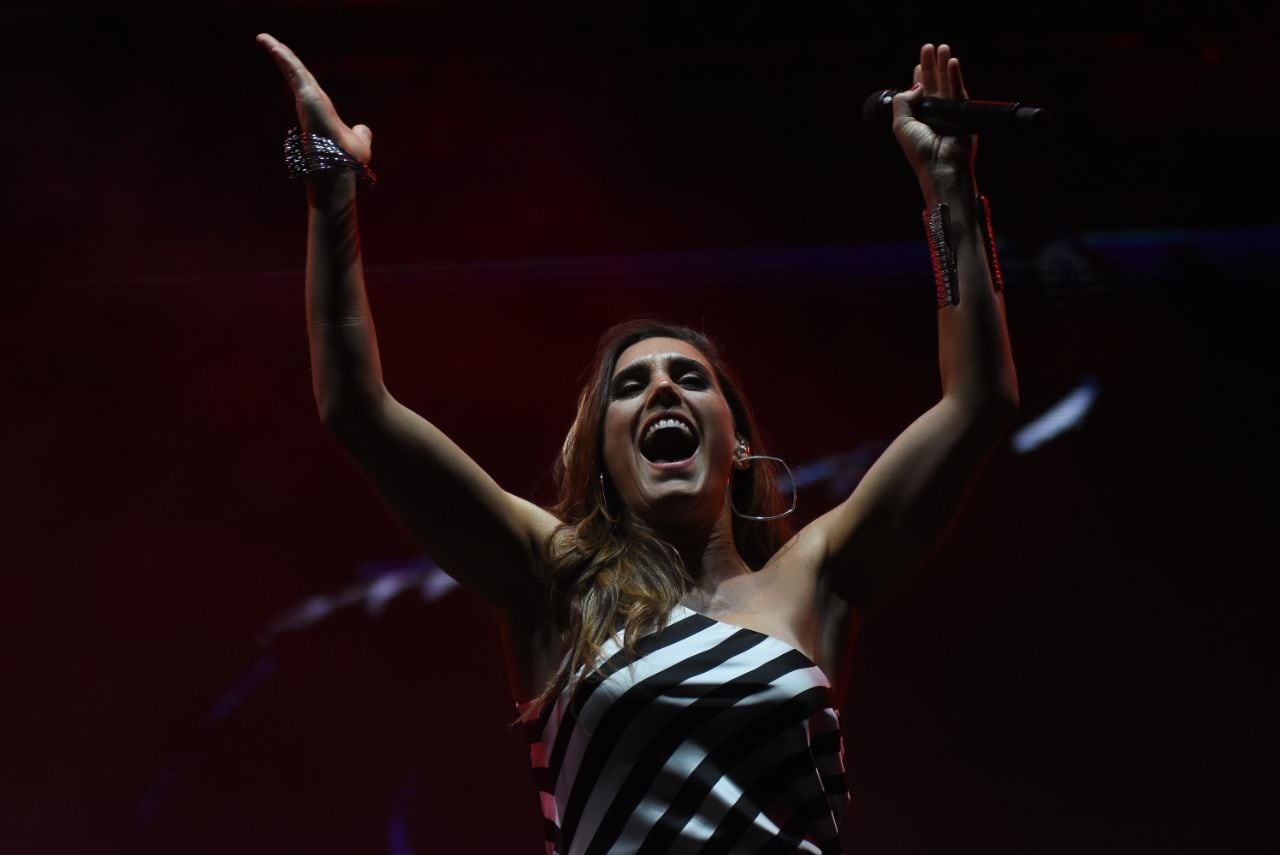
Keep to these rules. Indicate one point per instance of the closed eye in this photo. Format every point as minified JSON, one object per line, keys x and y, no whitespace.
{"x":634,"y":379}
{"x":694,"y":380}
{"x":629,"y":383}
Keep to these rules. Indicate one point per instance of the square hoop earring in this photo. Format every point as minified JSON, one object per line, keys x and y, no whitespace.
{"x":790,"y":477}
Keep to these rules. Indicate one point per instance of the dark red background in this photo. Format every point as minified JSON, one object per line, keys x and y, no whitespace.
{"x":1077,"y":670}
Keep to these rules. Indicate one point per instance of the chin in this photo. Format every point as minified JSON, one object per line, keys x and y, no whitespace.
{"x":684,"y":504}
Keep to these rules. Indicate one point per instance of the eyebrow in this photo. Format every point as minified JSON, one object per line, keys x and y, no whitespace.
{"x":673,"y":361}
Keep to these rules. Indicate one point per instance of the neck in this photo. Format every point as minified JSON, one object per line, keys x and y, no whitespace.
{"x":710,"y":556}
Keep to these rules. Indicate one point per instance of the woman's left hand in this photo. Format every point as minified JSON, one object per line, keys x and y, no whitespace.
{"x":936,"y":158}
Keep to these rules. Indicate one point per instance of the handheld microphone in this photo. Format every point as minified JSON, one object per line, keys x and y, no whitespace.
{"x":949,"y":116}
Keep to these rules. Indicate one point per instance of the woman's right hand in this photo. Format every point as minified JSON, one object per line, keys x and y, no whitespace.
{"x":316,"y":114}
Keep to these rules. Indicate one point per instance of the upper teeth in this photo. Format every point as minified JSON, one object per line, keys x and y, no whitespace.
{"x":667,"y":423}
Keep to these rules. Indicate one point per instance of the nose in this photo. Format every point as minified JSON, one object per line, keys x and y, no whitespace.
{"x":664,"y":394}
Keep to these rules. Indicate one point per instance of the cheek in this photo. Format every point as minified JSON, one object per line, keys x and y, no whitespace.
{"x":724,"y":439}
{"x":617,"y":438}
{"x":724,"y":451}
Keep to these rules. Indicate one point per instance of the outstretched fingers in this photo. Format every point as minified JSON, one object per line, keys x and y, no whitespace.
{"x":929,"y":70}
{"x":294,"y":71}
{"x":944,"y":72}
{"x":939,"y":73}
{"x":956,"y":81}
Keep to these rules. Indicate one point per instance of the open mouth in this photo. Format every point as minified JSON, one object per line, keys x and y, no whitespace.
{"x":669,"y":440}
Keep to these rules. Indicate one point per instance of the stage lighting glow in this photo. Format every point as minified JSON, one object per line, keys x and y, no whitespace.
{"x":1063,"y":416}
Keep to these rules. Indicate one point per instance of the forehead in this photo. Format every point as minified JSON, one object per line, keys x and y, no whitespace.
{"x":658,"y":350}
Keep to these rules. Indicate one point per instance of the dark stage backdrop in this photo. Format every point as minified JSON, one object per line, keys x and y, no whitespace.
{"x":1077,"y":669}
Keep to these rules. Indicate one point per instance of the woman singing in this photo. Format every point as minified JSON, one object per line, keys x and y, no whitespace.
{"x":662,"y":622}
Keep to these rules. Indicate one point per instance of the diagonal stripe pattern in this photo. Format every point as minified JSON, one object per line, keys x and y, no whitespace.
{"x":715,"y":738}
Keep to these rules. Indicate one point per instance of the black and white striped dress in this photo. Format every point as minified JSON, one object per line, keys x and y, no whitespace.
{"x":716,"y":738}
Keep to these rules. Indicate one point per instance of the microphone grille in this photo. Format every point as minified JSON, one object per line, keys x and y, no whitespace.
{"x":878,"y":108}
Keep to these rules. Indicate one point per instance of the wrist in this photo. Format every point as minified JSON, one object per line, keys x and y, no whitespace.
{"x":952,"y":187}
{"x":331,"y":190}
{"x":329,"y":171}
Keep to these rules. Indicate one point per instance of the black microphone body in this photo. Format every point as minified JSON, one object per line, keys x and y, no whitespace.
{"x":949,"y":116}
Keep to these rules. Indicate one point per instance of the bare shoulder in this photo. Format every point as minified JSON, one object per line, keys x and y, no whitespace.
{"x":783,"y":596}
{"x":799,"y":593}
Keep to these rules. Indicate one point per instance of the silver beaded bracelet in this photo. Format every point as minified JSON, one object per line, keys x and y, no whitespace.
{"x":307,"y":154}
{"x":937,"y":227}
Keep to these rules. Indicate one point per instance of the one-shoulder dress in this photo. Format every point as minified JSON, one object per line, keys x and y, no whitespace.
{"x":715,"y":738}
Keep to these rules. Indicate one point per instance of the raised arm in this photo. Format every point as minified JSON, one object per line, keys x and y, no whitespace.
{"x":483,"y":536}
{"x":899,"y":511}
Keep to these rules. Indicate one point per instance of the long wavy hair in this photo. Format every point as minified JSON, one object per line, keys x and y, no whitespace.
{"x":608,"y":574}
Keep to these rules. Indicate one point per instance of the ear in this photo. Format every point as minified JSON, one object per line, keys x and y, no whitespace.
{"x":741,"y":453}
